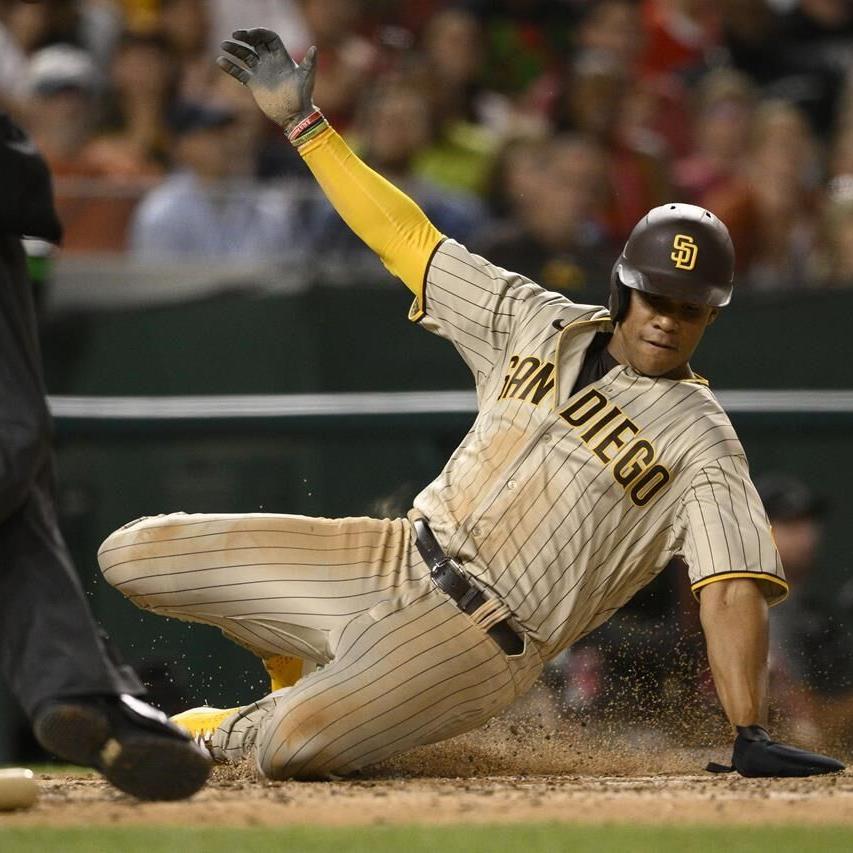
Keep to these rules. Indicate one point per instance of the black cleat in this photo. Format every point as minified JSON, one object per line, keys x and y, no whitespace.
{"x":133,"y":745}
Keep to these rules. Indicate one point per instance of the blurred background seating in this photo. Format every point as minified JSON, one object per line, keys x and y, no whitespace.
{"x":745,"y":107}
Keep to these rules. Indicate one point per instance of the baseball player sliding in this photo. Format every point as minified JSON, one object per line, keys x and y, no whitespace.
{"x":596,"y":455}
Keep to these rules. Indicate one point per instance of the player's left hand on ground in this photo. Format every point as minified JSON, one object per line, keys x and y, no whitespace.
{"x":755,"y":754}
{"x":260,"y":61}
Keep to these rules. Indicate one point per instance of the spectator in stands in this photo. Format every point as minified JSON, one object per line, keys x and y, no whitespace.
{"x":516,"y":177}
{"x":772,"y":210}
{"x":97,"y":185}
{"x":206,"y":210}
{"x":614,"y":28}
{"x":835,"y":259}
{"x":658,"y":100}
{"x":392,"y":128}
{"x":681,"y":35}
{"x":611,"y":29}
{"x":452,"y":47}
{"x":592,"y":99}
{"x":524,"y":40}
{"x":185,"y":26}
{"x":28,"y":27}
{"x":140,"y":91}
{"x":799,"y":52}
{"x":63,"y":88}
{"x":466,"y":116}
{"x":725,"y":106}
{"x":818,"y":39}
{"x":558,"y":238}
{"x":841,"y":153}
{"x":20,"y":30}
{"x":63,"y":112}
{"x":347,"y":62}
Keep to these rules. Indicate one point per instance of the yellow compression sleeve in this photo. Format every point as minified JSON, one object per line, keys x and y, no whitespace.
{"x":386,"y":219}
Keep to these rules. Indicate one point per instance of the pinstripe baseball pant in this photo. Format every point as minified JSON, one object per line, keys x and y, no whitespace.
{"x":402,"y":665}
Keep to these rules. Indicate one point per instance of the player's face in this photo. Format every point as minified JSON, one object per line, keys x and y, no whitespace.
{"x":658,"y":335}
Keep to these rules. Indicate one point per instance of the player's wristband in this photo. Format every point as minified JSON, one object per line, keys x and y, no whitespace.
{"x":307,"y":128}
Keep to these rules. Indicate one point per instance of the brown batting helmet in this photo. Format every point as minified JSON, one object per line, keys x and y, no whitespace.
{"x":677,"y":250}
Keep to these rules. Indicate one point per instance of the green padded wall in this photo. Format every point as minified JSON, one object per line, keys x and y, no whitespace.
{"x":360,"y":339}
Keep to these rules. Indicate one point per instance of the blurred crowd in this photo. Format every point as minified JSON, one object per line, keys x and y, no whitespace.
{"x":535,"y":131}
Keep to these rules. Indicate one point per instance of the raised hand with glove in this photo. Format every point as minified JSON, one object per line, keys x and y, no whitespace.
{"x":258,"y":59}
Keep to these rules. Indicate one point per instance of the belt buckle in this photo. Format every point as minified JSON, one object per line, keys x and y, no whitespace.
{"x":436,"y":569}
{"x":438,"y":572}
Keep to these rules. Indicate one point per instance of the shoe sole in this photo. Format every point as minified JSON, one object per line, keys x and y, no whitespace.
{"x":147,"y":766}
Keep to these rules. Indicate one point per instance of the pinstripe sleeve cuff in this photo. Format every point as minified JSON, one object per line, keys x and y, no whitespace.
{"x":775,"y":589}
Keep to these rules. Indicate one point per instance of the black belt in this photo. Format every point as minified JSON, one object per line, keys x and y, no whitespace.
{"x":450,"y":579}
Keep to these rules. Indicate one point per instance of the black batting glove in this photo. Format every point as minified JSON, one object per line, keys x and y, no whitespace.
{"x":260,"y":61}
{"x":755,"y":755}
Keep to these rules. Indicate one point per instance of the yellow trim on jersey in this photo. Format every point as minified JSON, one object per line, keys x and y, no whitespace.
{"x":725,"y":576}
{"x":594,"y":321}
{"x":416,"y":310}
{"x":386,"y":219}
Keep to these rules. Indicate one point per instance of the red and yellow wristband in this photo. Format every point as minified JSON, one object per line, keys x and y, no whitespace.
{"x":307,"y":128}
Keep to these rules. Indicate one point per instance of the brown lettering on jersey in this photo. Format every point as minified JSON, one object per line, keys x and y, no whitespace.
{"x":615,"y":439}
{"x":528,"y":379}
{"x":512,"y":364}
{"x":522,"y":373}
{"x":540,"y":384}
{"x":649,"y":484}
{"x":587,"y":406}
{"x":633,"y":459}
{"x":602,"y":422}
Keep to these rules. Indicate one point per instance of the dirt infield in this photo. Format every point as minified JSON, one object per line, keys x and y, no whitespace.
{"x":503,"y":773}
{"x":662,"y":799}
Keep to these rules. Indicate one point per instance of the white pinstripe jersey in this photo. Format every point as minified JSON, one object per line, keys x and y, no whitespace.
{"x":565,"y":505}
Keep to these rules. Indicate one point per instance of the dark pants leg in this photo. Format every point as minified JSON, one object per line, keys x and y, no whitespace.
{"x":50,"y":647}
